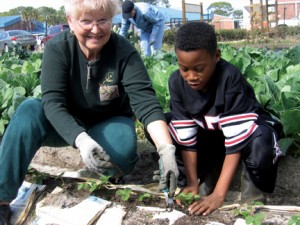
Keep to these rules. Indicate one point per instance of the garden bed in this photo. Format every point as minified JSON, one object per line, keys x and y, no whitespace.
{"x":286,"y":192}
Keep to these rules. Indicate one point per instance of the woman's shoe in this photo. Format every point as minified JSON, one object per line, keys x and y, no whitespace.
{"x":5,"y":214}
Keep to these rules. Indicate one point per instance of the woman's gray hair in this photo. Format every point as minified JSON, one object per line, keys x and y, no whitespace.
{"x":74,"y":8}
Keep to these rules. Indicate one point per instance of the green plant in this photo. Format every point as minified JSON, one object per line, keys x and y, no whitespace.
{"x":169,"y":36}
{"x":94,"y":184}
{"x":38,"y":177}
{"x":250,"y":215}
{"x":143,"y":196}
{"x":19,"y":79}
{"x":139,"y":129}
{"x":188,"y":198}
{"x":124,"y":193}
{"x":295,"y":220}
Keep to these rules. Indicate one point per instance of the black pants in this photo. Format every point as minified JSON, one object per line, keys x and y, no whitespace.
{"x":257,"y":155}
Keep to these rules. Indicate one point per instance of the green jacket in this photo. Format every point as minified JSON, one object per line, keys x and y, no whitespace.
{"x":77,"y":94}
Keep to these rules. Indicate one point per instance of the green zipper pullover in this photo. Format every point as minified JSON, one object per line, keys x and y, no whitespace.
{"x":77,"y":94}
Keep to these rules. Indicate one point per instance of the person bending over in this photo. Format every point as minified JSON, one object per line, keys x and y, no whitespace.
{"x":216,"y":122}
{"x":150,"y":22}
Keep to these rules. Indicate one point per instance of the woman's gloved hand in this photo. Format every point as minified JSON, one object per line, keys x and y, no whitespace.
{"x":92,"y":154}
{"x":168,"y":168}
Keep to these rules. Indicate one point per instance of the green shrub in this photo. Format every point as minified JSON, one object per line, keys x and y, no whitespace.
{"x":169,"y":36}
{"x":231,"y":35}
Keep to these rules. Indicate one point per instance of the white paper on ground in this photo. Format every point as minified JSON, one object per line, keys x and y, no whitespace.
{"x":79,"y":214}
{"x":24,"y":193}
{"x":112,"y":215}
{"x":163,"y":214}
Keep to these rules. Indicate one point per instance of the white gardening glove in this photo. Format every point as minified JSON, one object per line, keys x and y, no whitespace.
{"x":92,"y":154}
{"x":168,"y":168}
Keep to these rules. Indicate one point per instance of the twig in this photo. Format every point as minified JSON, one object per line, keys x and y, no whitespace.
{"x":282,"y":208}
{"x":98,"y":214}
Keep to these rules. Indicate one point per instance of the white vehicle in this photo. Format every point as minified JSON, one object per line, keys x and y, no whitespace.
{"x":288,"y":22}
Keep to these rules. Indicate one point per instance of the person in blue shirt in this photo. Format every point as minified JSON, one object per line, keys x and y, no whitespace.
{"x":148,"y":20}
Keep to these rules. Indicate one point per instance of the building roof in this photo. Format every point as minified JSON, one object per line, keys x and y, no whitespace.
{"x":9,"y":20}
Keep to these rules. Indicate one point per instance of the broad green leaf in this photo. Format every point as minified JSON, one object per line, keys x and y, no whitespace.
{"x":285,"y":143}
{"x":293,"y":54}
{"x":3,"y":123}
{"x":290,"y":120}
{"x":290,"y":100}
{"x":228,"y":53}
{"x":272,"y":88}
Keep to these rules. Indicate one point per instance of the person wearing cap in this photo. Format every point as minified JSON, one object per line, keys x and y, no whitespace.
{"x":149,"y":21}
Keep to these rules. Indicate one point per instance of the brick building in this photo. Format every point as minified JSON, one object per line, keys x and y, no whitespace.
{"x":289,"y":9}
{"x":288,"y":12}
{"x":223,"y":22}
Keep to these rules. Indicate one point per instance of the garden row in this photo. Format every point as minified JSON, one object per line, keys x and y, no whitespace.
{"x":274,"y":75}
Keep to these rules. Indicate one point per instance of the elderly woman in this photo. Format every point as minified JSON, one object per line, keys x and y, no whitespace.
{"x":92,"y":81}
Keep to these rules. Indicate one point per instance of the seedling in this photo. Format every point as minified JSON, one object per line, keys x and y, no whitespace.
{"x":124,"y":193}
{"x":93,"y":184}
{"x":38,"y":177}
{"x":250,"y":215}
{"x":295,"y":220}
{"x":188,"y":198}
{"x":143,"y":196}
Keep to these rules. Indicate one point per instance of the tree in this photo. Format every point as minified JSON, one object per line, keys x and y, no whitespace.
{"x":221,"y":8}
{"x":28,"y":15}
{"x":45,"y":13}
{"x":237,"y":14}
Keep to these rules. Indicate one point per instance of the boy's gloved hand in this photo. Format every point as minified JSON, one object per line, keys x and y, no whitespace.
{"x":92,"y":153}
{"x":168,"y":168}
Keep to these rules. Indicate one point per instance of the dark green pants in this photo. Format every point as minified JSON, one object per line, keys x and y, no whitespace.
{"x":29,"y":129}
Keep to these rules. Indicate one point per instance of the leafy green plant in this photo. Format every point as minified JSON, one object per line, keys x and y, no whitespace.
{"x":188,"y":198}
{"x":274,"y":75}
{"x":38,"y":177}
{"x":19,"y":80}
{"x":143,"y":196}
{"x":295,"y":220}
{"x":255,"y":219}
{"x":139,"y":129}
{"x":250,"y":215}
{"x":124,"y":193}
{"x":94,"y":184}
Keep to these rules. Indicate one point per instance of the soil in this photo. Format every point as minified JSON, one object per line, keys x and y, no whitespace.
{"x":287,"y":191}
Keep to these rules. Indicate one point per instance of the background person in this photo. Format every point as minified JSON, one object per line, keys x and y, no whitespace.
{"x":149,"y":21}
{"x":90,"y":78}
{"x":217,"y":122}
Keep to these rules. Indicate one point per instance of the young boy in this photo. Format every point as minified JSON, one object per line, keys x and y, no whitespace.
{"x":217,"y":122}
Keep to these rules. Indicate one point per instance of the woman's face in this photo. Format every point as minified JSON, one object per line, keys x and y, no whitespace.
{"x":92,"y":31}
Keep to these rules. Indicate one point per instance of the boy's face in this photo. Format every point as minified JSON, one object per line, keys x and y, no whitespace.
{"x":197,"y":67}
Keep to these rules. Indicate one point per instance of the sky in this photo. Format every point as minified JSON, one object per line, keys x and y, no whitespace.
{"x":56,"y":4}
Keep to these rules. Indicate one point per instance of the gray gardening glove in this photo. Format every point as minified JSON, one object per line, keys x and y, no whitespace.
{"x":92,"y":154}
{"x":168,"y":168}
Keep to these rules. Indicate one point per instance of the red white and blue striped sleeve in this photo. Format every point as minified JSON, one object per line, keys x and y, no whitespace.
{"x":238,"y":128}
{"x":184,"y":132}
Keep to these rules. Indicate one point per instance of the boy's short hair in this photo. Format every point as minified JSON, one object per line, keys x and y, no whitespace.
{"x":196,"y":35}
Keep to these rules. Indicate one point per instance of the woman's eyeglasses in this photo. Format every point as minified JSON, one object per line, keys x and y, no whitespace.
{"x":89,"y":24}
